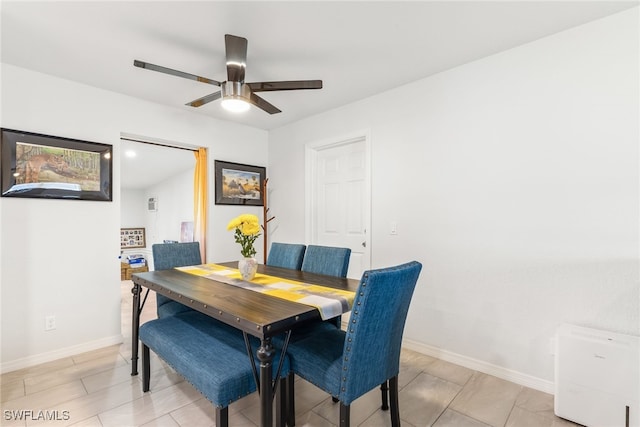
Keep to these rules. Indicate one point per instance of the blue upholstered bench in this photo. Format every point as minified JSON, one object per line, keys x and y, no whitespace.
{"x":210,"y":355}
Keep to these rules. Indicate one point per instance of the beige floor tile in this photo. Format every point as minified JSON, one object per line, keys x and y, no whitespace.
{"x":89,"y":422}
{"x":162,"y":378}
{"x":243,"y":404}
{"x":487,"y":399}
{"x":425,"y":398}
{"x":33,"y":371}
{"x":522,"y":418}
{"x":382,"y":418}
{"x":106,"y":399}
{"x":167,"y":421}
{"x":112,"y":350}
{"x":407,"y":374}
{"x":450,"y":418}
{"x":415,"y":359}
{"x":307,"y":396}
{"x":198,"y":413}
{"x":251,"y":410}
{"x":150,"y":406}
{"x":52,"y":398}
{"x":13,"y":419}
{"x":361,"y":409}
{"x":71,"y":373}
{"x":311,"y":419}
{"x":450,"y":372}
{"x":536,"y":401}
{"x":106,"y":379}
{"x":11,"y":390}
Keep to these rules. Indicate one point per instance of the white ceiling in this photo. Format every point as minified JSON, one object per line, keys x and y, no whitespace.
{"x":151,"y":164}
{"x":357,"y":48}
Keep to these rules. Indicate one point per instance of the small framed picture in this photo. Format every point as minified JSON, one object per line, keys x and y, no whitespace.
{"x":238,"y":184}
{"x":131,"y":238}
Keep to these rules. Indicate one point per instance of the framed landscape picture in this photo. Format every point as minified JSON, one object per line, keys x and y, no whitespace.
{"x":238,"y":184}
{"x":44,"y":166}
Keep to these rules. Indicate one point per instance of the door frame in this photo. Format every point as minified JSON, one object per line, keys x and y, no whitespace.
{"x":311,"y":158}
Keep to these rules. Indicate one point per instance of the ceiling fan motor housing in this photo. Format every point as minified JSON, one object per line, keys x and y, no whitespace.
{"x":236,"y":90}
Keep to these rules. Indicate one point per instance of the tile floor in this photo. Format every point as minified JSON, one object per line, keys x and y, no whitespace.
{"x":96,"y":389}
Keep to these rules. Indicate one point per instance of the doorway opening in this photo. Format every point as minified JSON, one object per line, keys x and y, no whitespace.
{"x":157,"y":191}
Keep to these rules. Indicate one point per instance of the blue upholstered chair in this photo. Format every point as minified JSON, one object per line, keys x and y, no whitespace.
{"x":331,"y":261}
{"x":210,"y":355}
{"x":347,"y":364}
{"x":286,"y":255}
{"x":171,"y":255}
{"x":327,"y":260}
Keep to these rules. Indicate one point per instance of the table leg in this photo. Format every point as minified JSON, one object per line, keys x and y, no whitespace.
{"x":135,"y":325}
{"x":265,"y":355}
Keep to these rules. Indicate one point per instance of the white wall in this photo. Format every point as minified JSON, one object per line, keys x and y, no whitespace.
{"x":133,"y":214}
{"x":175,"y":205}
{"x":61,"y":257}
{"x":133,"y":208}
{"x":514,"y":180}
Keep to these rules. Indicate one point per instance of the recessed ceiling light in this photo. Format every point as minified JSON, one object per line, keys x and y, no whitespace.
{"x":130,"y":153}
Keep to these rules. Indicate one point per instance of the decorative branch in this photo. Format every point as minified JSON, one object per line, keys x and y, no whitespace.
{"x":265,"y":220}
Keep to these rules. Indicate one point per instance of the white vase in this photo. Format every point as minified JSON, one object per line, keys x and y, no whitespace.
{"x":248,"y":268}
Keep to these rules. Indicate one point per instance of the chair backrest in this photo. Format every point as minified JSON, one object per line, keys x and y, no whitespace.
{"x":170,"y":255}
{"x":328,"y":260}
{"x":286,"y":255}
{"x":374,"y":334}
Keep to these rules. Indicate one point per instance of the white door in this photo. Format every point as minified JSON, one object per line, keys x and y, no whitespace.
{"x":338,"y":201}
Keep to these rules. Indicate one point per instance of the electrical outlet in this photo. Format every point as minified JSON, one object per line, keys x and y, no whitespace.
{"x":49,"y":323}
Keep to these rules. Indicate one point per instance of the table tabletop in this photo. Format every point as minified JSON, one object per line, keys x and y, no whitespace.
{"x":257,"y":314}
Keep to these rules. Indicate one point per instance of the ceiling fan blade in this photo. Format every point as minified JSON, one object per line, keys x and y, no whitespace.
{"x":173,"y":72}
{"x":236,"y":49}
{"x":288,"y":85}
{"x":264,"y":105}
{"x":205,"y":99}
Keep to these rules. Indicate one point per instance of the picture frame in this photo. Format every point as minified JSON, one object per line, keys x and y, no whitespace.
{"x":239,"y":184}
{"x":132,"y":238}
{"x":51,"y":167}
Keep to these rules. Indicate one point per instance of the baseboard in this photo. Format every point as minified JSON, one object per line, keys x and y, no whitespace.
{"x":37,"y":359}
{"x":481,"y":366}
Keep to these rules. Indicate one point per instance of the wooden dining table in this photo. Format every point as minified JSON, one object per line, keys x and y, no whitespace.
{"x":254,"y":313}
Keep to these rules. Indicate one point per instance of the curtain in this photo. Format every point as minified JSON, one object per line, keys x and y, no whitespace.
{"x":200,"y":201}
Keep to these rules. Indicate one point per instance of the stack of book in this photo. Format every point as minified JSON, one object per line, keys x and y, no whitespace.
{"x":136,"y":261}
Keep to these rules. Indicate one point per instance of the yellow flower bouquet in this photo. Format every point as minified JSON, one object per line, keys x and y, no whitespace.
{"x":247,"y":230}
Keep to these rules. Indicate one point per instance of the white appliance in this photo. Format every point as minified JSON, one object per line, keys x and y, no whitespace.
{"x":597,"y":377}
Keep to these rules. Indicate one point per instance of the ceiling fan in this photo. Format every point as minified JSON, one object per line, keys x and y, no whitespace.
{"x":236,"y":94}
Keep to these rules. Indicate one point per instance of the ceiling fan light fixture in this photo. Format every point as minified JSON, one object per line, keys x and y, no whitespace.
{"x":235,"y":96}
{"x":235,"y":105}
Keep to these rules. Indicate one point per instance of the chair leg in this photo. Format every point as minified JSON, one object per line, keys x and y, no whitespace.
{"x":146,"y":368}
{"x":344,"y":415}
{"x":395,"y":406}
{"x":384,"y":389}
{"x":222,"y":417}
{"x":291,"y":400}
